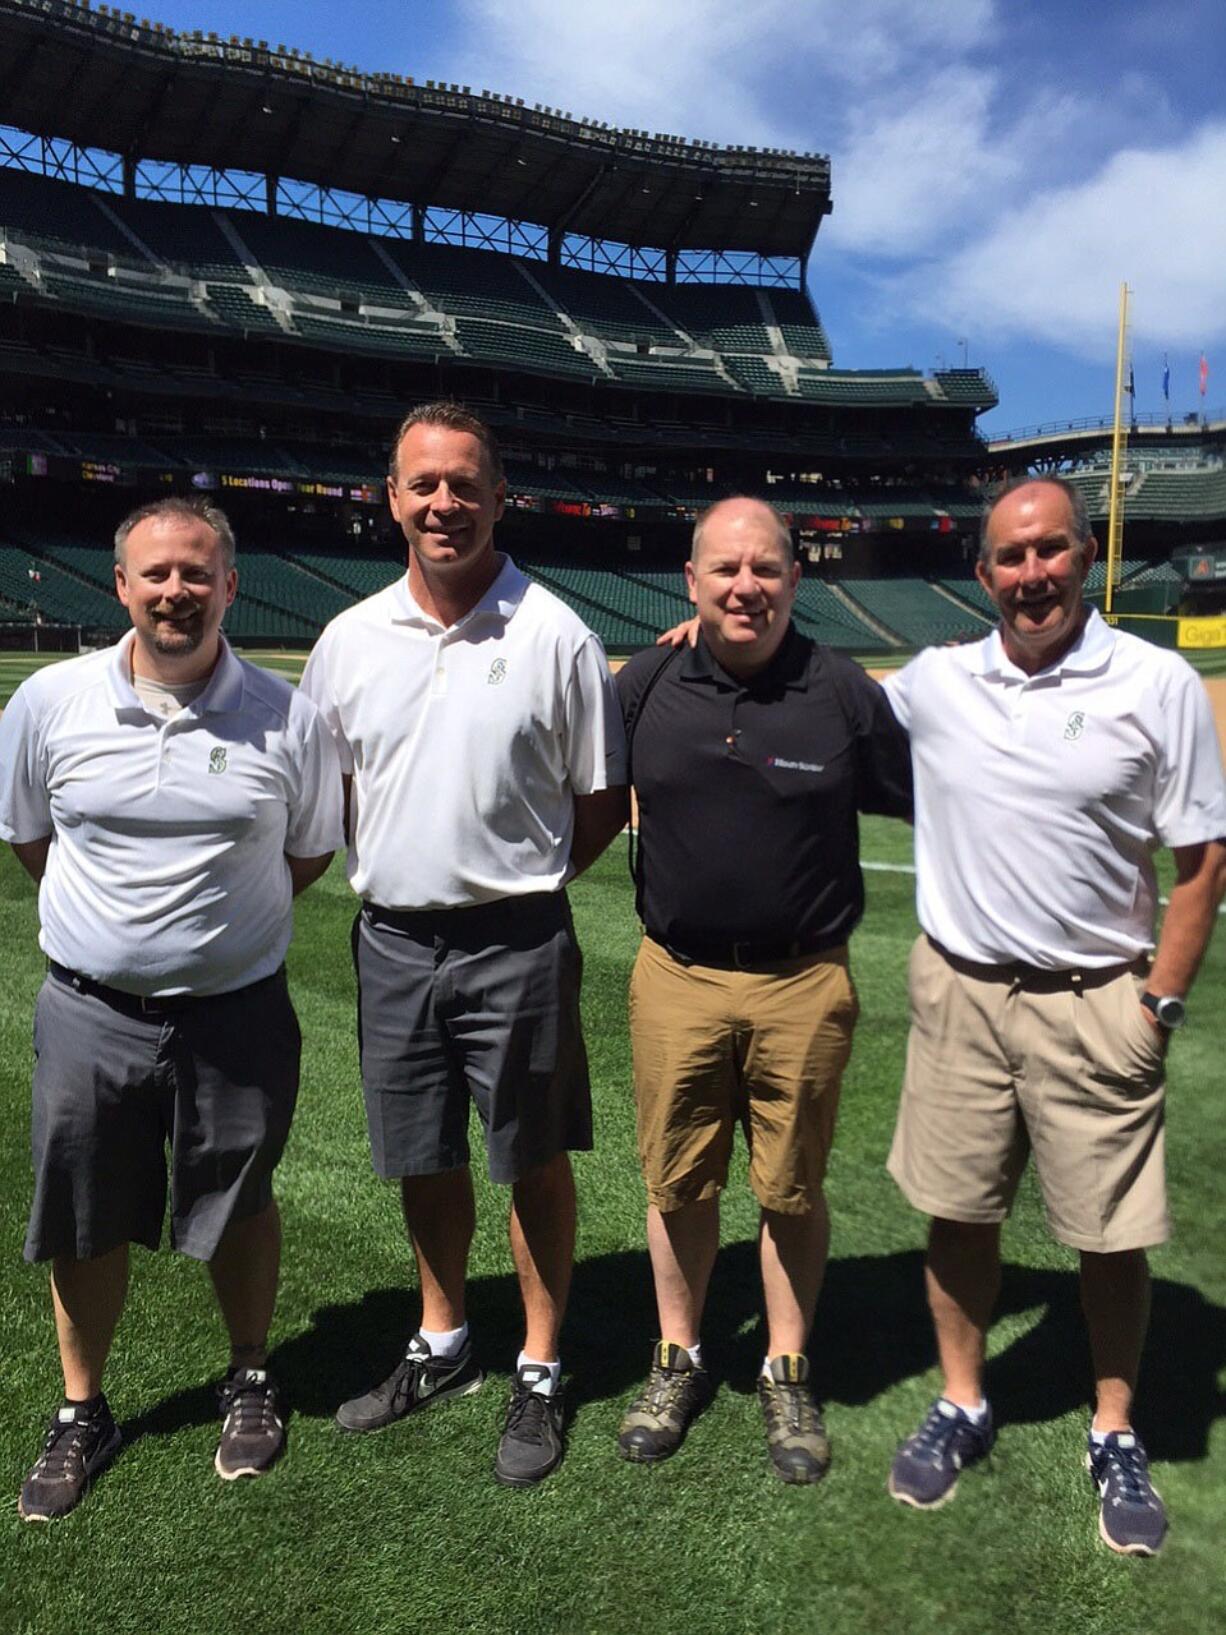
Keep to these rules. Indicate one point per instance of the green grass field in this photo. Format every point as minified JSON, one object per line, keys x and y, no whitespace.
{"x":406,"y":1530}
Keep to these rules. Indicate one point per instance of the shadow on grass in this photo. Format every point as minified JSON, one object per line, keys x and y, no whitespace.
{"x":872,"y":1333}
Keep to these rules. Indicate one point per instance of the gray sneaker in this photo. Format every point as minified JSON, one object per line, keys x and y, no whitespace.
{"x":531,"y":1444}
{"x":77,"y":1448}
{"x":417,"y":1380}
{"x":252,"y":1431}
{"x":795,"y":1433}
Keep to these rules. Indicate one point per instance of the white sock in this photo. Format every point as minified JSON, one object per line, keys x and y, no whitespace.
{"x":695,"y":1352}
{"x":976,"y":1415}
{"x":448,"y":1342}
{"x":551,"y":1373}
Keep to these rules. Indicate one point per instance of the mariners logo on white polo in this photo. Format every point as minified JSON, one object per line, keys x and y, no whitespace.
{"x":1075,"y":725}
{"x":498,"y":672}
{"x":217,"y":759}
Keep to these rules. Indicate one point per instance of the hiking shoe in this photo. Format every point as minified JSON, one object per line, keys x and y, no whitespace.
{"x":418,"y":1378}
{"x":677,"y":1390}
{"x":1131,"y":1520}
{"x":531,"y":1444}
{"x":927,"y":1465}
{"x":252,"y":1433}
{"x":795,"y":1434}
{"x":78,"y":1446}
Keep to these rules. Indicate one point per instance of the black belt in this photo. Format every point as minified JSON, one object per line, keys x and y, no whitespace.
{"x":748,"y":955}
{"x":1037,"y":977}
{"x":135,"y":1004}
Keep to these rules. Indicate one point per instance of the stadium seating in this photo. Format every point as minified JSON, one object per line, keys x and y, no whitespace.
{"x":58,"y":216}
{"x":182,"y":235}
{"x":915,"y":610}
{"x":236,"y":305}
{"x":362,"y":575}
{"x":821,"y":614}
{"x":867,"y":386}
{"x":673,"y":374}
{"x":167,"y":304}
{"x":517,"y":343}
{"x":305,"y":256}
{"x":57,"y":594}
{"x":473,"y":283}
{"x":603,"y":306}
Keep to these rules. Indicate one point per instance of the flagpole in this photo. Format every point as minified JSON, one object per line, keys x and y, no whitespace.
{"x":1115,"y":519}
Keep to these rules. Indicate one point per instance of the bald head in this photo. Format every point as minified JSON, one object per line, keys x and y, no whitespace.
{"x":742,"y":580}
{"x":739,"y":518}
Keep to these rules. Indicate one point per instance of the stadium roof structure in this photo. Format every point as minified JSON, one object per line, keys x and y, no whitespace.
{"x":99,"y":78}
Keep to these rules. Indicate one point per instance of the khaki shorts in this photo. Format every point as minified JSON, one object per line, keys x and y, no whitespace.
{"x":1001,"y":1066}
{"x":765,"y":1047}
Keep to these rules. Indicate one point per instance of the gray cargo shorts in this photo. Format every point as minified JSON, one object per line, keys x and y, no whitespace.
{"x":214,"y":1082}
{"x":477,"y":1005}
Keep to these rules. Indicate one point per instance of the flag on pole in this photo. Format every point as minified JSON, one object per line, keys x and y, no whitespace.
{"x":1204,"y":373}
{"x":1132,"y":387}
{"x":1166,"y":377}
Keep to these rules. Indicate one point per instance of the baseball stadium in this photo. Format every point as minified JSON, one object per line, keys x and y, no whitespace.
{"x":227,"y":269}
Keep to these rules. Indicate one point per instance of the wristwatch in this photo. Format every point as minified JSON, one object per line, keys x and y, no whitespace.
{"x":1168,"y":1011}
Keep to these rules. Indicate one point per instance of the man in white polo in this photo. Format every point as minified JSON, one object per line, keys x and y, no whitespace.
{"x":170,"y":799}
{"x":482,"y":746}
{"x":1051,"y":761}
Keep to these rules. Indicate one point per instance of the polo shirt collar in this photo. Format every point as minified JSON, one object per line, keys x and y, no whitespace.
{"x":223,"y":693}
{"x":499,"y":601}
{"x":789,"y":668}
{"x":1090,"y":653}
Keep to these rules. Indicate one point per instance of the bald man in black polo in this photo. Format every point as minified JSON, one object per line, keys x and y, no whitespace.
{"x":752,"y":753}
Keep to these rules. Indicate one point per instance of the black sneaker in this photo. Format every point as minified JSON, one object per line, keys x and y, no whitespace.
{"x":1131,"y":1520}
{"x":252,"y":1432}
{"x":418,"y":1379}
{"x":78,"y":1446}
{"x":531,"y":1444}
{"x":795,"y":1434}
{"x":676,"y":1392}
{"x":927,"y":1466}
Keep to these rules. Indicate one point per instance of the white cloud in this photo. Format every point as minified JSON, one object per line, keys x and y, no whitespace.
{"x":765,"y":72}
{"x":1051,"y":268}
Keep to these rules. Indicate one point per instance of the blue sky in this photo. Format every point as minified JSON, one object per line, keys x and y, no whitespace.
{"x":999,"y":167}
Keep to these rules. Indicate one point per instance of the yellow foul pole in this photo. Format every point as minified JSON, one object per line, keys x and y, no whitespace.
{"x":1115,"y":517}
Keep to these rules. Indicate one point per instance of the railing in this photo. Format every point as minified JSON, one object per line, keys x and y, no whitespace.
{"x":1103,"y":422}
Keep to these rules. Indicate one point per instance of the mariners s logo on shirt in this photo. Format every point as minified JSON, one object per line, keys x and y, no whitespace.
{"x":217,"y":759}
{"x":1075,"y":725}
{"x":498,"y":672}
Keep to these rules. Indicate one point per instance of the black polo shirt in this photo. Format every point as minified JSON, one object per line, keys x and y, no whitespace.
{"x":748,"y":794}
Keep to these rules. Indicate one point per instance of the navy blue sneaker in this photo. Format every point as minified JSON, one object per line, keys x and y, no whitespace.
{"x":1131,"y":1520}
{"x":927,"y":1466}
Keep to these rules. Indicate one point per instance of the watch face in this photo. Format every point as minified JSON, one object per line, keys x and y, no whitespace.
{"x":1170,"y":1012}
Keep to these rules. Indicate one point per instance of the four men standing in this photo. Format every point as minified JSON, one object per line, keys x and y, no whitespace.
{"x":170,"y":799}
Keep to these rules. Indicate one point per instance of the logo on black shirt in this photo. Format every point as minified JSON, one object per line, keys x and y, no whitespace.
{"x":795,"y":766}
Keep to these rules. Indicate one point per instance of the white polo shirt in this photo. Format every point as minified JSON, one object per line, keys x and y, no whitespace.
{"x":167,"y":869}
{"x":466,"y":745}
{"x":1040,"y":800}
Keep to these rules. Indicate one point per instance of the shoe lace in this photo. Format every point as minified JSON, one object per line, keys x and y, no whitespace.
{"x":667,"y":1389}
{"x":933,"y":1439}
{"x":406,"y":1379}
{"x":527,"y":1415}
{"x":792,"y":1409}
{"x":1131,"y":1472}
{"x":63,"y":1448}
{"x":249,"y":1406}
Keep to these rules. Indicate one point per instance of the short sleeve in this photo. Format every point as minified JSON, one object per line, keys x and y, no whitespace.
{"x":1189,"y":786}
{"x":315,"y":823}
{"x":316,"y":684}
{"x":594,"y":746}
{"x":898,"y":689}
{"x":25,"y":803}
